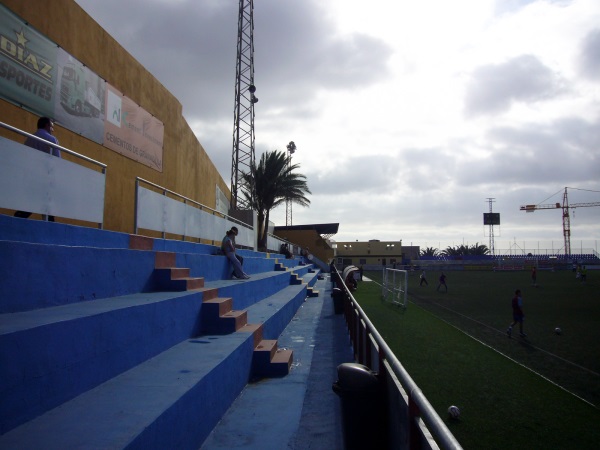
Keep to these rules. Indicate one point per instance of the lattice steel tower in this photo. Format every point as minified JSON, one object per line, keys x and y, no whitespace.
{"x":491,"y":225}
{"x":242,"y":159}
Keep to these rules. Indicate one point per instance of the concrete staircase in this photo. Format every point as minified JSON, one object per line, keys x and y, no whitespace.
{"x":131,"y":341}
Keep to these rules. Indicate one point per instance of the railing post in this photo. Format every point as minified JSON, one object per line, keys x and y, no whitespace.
{"x":368,"y":348}
{"x":164,"y":233}
{"x":414,"y":433}
{"x":136,"y":206}
{"x":183,"y":235}
{"x":362,"y":331}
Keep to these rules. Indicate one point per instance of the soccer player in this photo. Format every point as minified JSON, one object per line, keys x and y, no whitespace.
{"x":442,"y":282}
{"x":423,"y":279}
{"x":518,"y":316}
{"x":583,"y":274}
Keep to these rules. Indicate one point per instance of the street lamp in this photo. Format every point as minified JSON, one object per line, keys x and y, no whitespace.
{"x":291,"y":148}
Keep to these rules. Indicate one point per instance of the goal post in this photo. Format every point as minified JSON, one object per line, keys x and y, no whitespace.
{"x":394,"y":288}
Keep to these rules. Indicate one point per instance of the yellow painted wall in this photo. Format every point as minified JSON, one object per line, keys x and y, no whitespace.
{"x":187,"y":169}
{"x":372,"y":252}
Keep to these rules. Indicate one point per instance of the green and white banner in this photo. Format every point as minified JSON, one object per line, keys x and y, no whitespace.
{"x":28,"y":72}
{"x":37,"y":74}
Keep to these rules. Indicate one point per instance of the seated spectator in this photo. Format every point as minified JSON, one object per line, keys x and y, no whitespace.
{"x":228,"y":248}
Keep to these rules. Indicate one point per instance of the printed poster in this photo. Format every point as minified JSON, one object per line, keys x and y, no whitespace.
{"x":132,"y":131}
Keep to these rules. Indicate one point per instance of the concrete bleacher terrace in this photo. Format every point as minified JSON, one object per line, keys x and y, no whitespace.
{"x":111,"y":341}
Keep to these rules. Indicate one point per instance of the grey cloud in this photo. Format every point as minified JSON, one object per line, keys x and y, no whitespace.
{"x":589,"y":59}
{"x":365,"y":174}
{"x":493,"y":88}
{"x":190,"y":47}
{"x":512,"y":6}
{"x":297,"y":51}
{"x":535,"y":154}
{"x":298,"y":54}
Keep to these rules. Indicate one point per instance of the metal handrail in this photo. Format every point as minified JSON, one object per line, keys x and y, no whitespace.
{"x":283,"y":241}
{"x":186,"y":200}
{"x":64,"y":149}
{"x":424,"y":410}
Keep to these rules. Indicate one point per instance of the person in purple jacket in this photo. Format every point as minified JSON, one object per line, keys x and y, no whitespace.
{"x":45,"y":131}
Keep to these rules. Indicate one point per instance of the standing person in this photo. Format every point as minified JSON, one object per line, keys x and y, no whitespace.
{"x":534,"y":276}
{"x":583,"y":274}
{"x":442,"y":282}
{"x":228,"y":248}
{"x":45,"y":130}
{"x":423,"y":279}
{"x":332,"y":273}
{"x":518,"y":316}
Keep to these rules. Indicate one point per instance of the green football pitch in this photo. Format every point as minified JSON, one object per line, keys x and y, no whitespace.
{"x":542,"y":391}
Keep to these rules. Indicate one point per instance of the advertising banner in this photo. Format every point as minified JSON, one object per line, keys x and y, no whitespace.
{"x":37,"y":74}
{"x":132,"y":131}
{"x":79,"y":103}
{"x":27,"y":65}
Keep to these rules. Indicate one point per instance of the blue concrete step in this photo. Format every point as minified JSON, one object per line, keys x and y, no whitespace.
{"x":170,"y":401}
{"x":169,"y":277}
{"x":94,"y":341}
{"x":88,"y":338}
{"x":298,"y":411}
{"x":270,"y":361}
{"x":219,"y":317}
{"x":54,"y":354}
{"x":34,"y":275}
{"x":181,"y":391}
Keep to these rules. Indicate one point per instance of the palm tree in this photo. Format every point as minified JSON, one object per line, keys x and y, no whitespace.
{"x":273,"y":183}
{"x":429,"y":251}
{"x":461,"y":250}
{"x":479,"y":249}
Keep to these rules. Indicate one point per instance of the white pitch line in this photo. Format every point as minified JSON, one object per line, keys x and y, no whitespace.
{"x":506,"y":356}
{"x":513,"y":360}
{"x":528,"y":343}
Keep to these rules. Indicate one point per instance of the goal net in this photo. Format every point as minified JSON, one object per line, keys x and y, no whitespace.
{"x":394,"y":288}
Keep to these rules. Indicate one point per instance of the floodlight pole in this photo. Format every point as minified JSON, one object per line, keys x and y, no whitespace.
{"x":242,"y":160}
{"x":492,"y":250}
{"x":291,"y":148}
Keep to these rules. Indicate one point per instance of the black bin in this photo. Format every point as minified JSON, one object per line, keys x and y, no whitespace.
{"x":338,"y":300}
{"x":334,"y":278}
{"x":363,"y":408}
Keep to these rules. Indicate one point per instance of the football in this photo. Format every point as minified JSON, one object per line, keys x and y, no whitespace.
{"x":454,"y":412}
{"x":557,"y":330}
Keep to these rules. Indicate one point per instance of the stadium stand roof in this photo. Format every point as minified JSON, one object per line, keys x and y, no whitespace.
{"x":326,"y":230}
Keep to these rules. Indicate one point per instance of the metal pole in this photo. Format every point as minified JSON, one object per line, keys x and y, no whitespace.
{"x":291,"y":148}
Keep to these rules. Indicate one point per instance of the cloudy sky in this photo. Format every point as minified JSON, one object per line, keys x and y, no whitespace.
{"x":407,"y":115}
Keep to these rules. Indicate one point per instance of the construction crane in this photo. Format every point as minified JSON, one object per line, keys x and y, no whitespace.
{"x":565,"y":214}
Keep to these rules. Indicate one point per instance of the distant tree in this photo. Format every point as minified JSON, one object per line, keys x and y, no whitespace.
{"x":273,"y":183}
{"x":478,"y":249}
{"x":430,"y":251}
{"x":452,"y":251}
{"x":463,"y":250}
